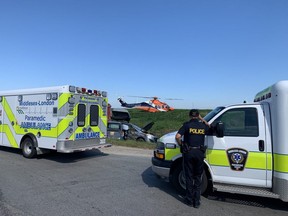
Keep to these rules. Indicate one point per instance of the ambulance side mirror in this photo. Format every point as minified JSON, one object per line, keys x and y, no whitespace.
{"x":219,"y":129}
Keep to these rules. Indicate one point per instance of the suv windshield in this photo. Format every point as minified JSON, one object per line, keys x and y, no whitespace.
{"x":211,"y":114}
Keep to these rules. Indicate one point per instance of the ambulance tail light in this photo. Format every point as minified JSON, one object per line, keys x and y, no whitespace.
{"x":71,"y":100}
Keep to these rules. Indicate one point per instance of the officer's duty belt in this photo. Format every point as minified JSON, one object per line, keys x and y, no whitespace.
{"x":194,"y":147}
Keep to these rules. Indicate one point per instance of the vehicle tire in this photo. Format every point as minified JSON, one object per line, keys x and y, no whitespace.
{"x":140,"y":139}
{"x":179,"y":182}
{"x":204,"y":185}
{"x":28,"y":148}
{"x":178,"y":179}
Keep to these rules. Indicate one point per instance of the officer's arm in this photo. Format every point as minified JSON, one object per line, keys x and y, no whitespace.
{"x":203,"y":120}
{"x":178,"y":138}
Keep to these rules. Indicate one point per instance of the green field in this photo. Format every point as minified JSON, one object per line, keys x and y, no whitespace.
{"x":164,"y":122}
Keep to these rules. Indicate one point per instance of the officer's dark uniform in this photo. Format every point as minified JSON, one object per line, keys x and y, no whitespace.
{"x":194,"y":136}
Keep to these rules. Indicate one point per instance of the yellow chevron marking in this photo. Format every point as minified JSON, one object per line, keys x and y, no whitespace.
{"x":10,"y":137}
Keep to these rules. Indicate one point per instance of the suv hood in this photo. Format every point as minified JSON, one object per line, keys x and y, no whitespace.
{"x":148,"y":126}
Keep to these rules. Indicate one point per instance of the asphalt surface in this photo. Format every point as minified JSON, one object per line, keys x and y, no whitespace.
{"x":112,"y":181}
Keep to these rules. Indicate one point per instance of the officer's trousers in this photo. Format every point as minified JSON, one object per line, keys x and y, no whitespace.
{"x":193,"y":168}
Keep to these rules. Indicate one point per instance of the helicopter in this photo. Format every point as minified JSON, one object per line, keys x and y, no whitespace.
{"x":153,"y":105}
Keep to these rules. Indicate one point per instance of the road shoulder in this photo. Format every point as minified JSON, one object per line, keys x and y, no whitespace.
{"x":121,"y":150}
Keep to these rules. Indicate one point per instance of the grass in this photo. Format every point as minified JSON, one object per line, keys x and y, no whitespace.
{"x":164,"y":122}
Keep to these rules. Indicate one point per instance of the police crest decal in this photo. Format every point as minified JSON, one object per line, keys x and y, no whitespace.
{"x":237,"y":158}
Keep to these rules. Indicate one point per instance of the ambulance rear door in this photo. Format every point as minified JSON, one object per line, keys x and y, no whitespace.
{"x":89,"y":124}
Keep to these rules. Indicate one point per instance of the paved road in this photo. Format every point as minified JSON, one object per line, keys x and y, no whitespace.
{"x":113,"y":181}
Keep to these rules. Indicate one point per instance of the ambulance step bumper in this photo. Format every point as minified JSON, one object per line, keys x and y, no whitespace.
{"x":84,"y":148}
{"x":70,"y":146}
{"x":238,"y":189}
{"x":80,"y":149}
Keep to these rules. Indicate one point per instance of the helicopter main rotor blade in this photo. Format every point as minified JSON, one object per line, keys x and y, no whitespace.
{"x":173,"y":99}
{"x":142,"y":96}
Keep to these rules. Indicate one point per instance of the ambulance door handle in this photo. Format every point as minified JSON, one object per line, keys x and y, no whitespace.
{"x":261,"y":145}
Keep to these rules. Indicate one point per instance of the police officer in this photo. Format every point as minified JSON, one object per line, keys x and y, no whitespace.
{"x":193,"y":133}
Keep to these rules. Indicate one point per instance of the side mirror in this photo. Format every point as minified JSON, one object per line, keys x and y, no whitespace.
{"x":219,"y":129}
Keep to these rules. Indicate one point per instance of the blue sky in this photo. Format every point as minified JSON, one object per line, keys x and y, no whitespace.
{"x":206,"y":52}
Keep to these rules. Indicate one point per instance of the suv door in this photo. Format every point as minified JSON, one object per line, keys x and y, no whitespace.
{"x":114,"y":130}
{"x":242,"y":156}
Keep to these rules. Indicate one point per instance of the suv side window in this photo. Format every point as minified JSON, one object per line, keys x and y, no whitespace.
{"x":240,"y":122}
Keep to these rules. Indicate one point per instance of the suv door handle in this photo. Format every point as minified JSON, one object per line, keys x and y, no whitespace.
{"x":261,"y":145}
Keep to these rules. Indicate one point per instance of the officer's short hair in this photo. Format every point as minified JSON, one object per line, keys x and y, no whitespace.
{"x":194,"y":113}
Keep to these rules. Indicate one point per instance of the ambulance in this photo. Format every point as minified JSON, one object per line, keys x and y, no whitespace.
{"x":63,"y":118}
{"x":247,"y":153}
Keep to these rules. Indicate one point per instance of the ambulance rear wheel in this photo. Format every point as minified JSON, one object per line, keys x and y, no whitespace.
{"x":28,"y":148}
{"x":179,"y":181}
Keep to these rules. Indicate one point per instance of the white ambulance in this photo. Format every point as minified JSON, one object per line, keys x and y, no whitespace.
{"x":63,"y":118}
{"x":247,"y":153}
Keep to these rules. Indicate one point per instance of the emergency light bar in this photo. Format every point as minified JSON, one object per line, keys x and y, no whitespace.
{"x":78,"y":90}
{"x":89,"y":91}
